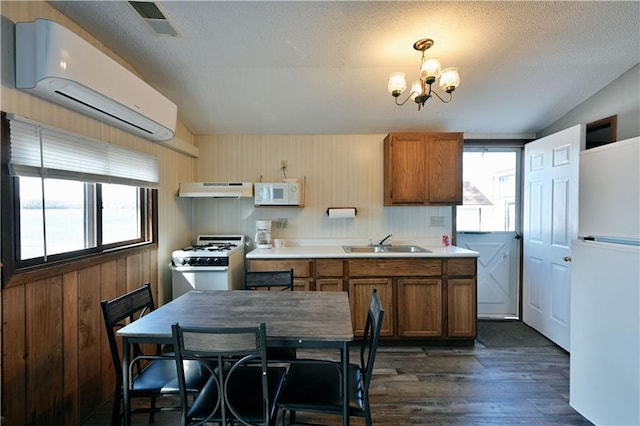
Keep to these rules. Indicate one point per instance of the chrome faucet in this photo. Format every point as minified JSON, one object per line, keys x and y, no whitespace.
{"x":385,"y":239}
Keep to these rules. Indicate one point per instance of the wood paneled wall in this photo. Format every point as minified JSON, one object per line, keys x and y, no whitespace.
{"x":57,"y":366}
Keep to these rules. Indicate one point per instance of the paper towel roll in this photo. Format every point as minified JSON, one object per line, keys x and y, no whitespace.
{"x":342,"y":213}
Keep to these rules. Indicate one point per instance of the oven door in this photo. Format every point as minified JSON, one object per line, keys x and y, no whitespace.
{"x":187,"y":278}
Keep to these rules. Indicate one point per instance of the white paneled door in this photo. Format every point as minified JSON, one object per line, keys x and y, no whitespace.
{"x":550,"y":223}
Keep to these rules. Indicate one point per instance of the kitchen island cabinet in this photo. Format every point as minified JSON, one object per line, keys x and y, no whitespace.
{"x":425,"y":298}
{"x":423,"y":169}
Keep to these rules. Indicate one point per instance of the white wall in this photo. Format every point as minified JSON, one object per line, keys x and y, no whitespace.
{"x":621,"y":97}
{"x":340,"y":171}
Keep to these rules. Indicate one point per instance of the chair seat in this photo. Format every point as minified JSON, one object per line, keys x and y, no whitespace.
{"x":281,"y":354}
{"x":242,"y":395}
{"x":160,"y":376}
{"x":325,"y":393}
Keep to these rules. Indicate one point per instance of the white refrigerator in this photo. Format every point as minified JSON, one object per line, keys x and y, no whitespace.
{"x":605,"y":287}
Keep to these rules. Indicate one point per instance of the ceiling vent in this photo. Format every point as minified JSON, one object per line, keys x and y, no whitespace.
{"x":56,"y":64}
{"x":157,"y":19}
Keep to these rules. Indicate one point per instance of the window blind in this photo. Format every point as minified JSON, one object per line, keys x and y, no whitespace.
{"x":38,"y":150}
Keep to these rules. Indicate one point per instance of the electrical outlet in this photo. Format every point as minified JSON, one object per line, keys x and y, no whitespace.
{"x":283,"y":164}
{"x":281,"y":223}
{"x":437,"y":221}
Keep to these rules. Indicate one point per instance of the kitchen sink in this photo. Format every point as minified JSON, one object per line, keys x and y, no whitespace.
{"x":385,"y":249}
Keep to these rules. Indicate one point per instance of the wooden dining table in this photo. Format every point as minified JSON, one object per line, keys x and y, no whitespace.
{"x":294,"y":319}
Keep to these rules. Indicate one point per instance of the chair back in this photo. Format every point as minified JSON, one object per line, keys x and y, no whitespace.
{"x":266,"y":280}
{"x":370,"y":339}
{"x":129,"y":306}
{"x":232,"y":348}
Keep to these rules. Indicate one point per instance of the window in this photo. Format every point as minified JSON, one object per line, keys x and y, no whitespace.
{"x":489,"y":190}
{"x":601,"y":132}
{"x":71,"y":196}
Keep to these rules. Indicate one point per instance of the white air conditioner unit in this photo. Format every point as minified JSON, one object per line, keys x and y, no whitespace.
{"x":54,"y":63}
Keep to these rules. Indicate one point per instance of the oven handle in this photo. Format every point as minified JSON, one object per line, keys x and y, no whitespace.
{"x":199,"y":268}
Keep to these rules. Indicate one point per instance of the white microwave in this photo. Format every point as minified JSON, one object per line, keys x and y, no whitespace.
{"x":278,"y":194}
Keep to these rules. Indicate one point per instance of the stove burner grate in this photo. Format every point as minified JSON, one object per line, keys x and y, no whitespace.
{"x":212,"y":247}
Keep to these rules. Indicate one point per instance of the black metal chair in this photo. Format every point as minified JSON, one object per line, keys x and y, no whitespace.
{"x":316,"y":386}
{"x":153,"y":375}
{"x":267,"y":280}
{"x":244,"y":391}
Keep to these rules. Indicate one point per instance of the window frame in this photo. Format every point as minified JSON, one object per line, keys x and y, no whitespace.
{"x":10,"y":223}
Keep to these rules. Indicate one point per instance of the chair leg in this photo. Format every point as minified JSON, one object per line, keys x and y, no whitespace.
{"x":152,"y":412}
{"x":115,"y":410}
{"x":367,"y":413}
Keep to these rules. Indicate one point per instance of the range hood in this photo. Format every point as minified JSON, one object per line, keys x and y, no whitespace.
{"x":216,"y":189}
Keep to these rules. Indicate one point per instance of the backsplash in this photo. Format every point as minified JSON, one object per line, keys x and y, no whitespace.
{"x":338,"y":171}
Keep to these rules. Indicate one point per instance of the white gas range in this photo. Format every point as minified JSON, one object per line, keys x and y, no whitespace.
{"x":213,"y":262}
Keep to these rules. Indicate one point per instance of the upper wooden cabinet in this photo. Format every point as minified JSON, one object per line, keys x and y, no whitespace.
{"x":422,"y":169}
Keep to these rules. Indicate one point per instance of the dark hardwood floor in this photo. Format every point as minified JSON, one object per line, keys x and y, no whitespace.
{"x":475,"y":385}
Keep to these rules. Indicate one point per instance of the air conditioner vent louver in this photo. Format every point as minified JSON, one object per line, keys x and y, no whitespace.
{"x":58,"y":65}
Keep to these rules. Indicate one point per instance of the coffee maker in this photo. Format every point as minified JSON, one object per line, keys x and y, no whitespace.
{"x":263,"y":234}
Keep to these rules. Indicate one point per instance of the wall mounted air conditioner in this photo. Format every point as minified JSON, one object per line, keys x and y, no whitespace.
{"x":54,"y":63}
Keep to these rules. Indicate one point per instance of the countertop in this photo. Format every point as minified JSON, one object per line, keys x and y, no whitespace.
{"x":323,"y":249}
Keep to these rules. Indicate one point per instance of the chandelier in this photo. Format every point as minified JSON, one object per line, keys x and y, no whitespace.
{"x":430,"y":71}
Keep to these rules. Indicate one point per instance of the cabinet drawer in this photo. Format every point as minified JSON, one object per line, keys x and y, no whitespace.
{"x":395,"y":268}
{"x":460,"y":267}
{"x":329,"y":268}
{"x":301,"y":268}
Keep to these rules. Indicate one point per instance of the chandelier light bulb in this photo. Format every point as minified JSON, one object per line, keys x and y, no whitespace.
{"x":450,"y":79}
{"x":430,"y":70}
{"x":397,"y":83}
{"x":416,"y":89}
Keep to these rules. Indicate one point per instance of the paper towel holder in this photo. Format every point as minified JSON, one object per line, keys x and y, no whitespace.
{"x":355,"y":210}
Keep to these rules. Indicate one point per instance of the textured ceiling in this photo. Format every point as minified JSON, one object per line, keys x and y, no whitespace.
{"x":322,"y":67}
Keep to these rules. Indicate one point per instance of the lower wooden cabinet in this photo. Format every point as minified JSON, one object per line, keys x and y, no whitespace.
{"x":302,"y":278}
{"x":423,"y":298}
{"x":329,"y":275}
{"x":329,"y":284}
{"x":420,"y":307}
{"x":360,"y":290}
{"x":461,"y":307}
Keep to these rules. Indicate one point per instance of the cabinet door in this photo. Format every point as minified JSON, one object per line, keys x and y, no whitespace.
{"x":445,"y":168}
{"x":419,"y":307}
{"x":302,"y":284}
{"x":329,"y":284}
{"x":360,"y":290}
{"x":405,"y":169}
{"x":461,"y":303}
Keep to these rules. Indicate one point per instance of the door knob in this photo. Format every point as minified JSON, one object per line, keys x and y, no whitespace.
{"x":567,"y":258}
